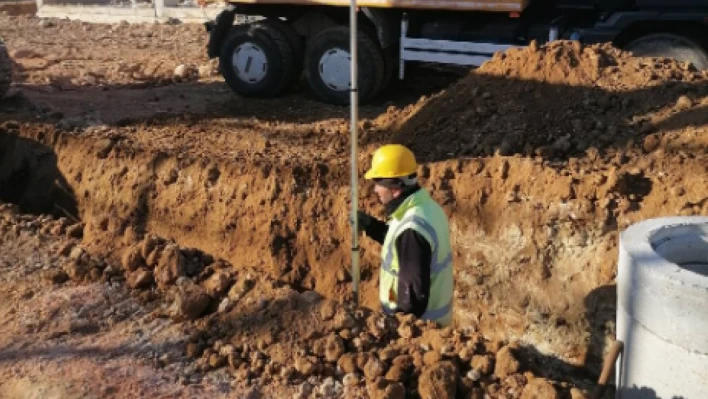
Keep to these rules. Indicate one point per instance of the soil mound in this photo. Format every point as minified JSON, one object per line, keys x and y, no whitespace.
{"x":556,"y":100}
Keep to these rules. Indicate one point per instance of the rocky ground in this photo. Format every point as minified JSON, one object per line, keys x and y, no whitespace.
{"x":175,"y":322}
{"x":196,"y":242}
{"x":62,"y":339}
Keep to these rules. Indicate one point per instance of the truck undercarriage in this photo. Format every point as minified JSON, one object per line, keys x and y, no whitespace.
{"x":268,"y":57}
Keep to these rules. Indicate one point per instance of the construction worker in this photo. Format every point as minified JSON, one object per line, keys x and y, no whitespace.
{"x":416,"y":271}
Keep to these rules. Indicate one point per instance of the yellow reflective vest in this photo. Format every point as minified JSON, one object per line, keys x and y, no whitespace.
{"x":422,"y":214}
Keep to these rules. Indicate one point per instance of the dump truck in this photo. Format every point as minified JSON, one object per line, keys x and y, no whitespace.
{"x":294,"y":38}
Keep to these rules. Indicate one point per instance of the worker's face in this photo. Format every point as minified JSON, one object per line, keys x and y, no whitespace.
{"x":386,"y":194}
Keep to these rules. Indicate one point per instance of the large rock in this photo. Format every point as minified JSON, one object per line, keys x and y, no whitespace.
{"x":75,"y":231}
{"x":77,"y":253}
{"x":347,"y":363}
{"x":103,"y":148}
{"x":483,"y":363}
{"x":328,"y":309}
{"x":334,"y":348}
{"x":438,"y":381}
{"x":170,"y":267}
{"x":406,"y":330}
{"x":217,"y":284}
{"x":241,"y":288}
{"x":185,"y":72}
{"x":132,"y":259}
{"x":343,"y":320}
{"x":396,"y":373}
{"x":153,"y":257}
{"x":506,"y":363}
{"x":205,"y":71}
{"x":431,"y":357}
{"x":304,"y":366}
{"x":351,"y":380}
{"x":374,"y":368}
{"x":539,"y":388}
{"x":383,"y":389}
{"x":75,"y":269}
{"x":141,"y":278}
{"x":147,"y":246}
{"x":190,"y":301}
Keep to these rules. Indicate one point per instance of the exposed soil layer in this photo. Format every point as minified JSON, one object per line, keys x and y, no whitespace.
{"x":229,"y":215}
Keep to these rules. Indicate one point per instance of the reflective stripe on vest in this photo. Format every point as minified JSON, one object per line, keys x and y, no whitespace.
{"x":435,"y":267}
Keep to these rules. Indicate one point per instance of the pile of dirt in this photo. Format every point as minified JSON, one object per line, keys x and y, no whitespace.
{"x":555,"y":101}
{"x":266,"y":331}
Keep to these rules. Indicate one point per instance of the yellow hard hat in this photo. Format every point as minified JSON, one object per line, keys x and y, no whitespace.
{"x":391,"y":161}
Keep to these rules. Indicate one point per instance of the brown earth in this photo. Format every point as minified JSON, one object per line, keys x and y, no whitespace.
{"x":233,"y":212}
{"x":64,"y":340}
{"x":64,"y":54}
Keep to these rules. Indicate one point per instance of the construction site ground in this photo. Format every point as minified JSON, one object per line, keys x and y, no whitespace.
{"x":161,"y":236}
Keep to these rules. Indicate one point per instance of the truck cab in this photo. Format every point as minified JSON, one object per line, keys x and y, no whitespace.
{"x":292,"y":39}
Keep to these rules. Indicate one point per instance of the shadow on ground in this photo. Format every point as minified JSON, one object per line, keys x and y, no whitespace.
{"x":31,"y":179}
{"x":483,"y":115}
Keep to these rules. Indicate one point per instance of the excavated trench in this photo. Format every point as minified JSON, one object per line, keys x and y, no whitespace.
{"x":288,"y":220}
{"x":535,"y":244}
{"x":280,"y":218}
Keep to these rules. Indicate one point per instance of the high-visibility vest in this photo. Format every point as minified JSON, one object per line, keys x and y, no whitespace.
{"x":422,"y":214}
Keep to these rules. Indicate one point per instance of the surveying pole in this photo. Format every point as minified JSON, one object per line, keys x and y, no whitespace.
{"x":354,"y":98}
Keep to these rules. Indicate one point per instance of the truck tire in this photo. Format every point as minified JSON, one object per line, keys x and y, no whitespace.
{"x":670,"y":45}
{"x":327,"y":66}
{"x":5,"y":70}
{"x":297,"y":46}
{"x":257,"y":60}
{"x":391,"y":66}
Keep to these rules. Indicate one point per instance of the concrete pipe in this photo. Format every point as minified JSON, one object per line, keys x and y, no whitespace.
{"x":662,"y":309}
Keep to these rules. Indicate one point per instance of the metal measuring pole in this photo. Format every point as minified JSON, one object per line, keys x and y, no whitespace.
{"x":354,"y":65}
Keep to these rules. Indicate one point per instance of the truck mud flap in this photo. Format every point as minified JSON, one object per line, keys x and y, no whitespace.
{"x":218,"y":30}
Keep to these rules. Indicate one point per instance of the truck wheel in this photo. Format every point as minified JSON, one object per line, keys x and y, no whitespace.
{"x":391,"y":63}
{"x":670,"y":45}
{"x":257,"y":60}
{"x":327,"y":66}
{"x":297,"y":47}
{"x":5,"y":70}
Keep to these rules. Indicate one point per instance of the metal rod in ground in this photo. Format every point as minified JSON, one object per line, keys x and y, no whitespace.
{"x":354,"y":152}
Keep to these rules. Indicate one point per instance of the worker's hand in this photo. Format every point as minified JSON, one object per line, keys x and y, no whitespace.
{"x":364,"y":220}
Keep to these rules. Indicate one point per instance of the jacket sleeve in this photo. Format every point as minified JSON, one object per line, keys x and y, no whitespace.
{"x":377,"y":230}
{"x":414,"y":257}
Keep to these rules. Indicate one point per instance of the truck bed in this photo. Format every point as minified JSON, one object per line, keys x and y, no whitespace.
{"x":467,"y":5}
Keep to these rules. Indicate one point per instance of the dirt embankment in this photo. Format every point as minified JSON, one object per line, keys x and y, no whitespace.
{"x":548,"y":152}
{"x":540,"y":158}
